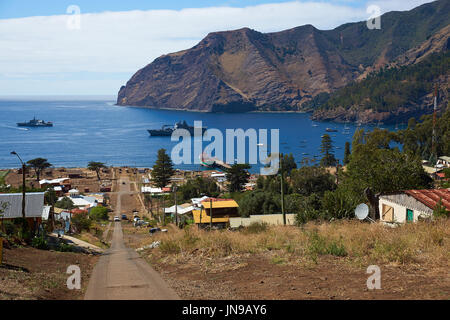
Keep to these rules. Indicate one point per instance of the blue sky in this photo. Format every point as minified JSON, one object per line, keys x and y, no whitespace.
{"x":46,"y":51}
{"x":28,"y":8}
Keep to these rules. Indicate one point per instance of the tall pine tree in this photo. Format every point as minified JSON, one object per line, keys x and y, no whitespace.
{"x":347,"y":153}
{"x":326,"y":148}
{"x":163,"y":169}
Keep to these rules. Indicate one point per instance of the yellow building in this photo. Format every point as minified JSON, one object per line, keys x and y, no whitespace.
{"x":222,"y":210}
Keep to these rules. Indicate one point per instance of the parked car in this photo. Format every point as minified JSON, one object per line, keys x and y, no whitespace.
{"x":116,"y":218}
{"x":154,"y":230}
{"x":124,"y":217}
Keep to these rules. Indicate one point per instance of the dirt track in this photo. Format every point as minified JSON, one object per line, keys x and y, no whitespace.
{"x":121,"y":274}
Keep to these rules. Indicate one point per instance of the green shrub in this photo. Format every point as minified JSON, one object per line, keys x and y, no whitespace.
{"x":81,"y":222}
{"x":256,"y":227}
{"x":64,"y":247}
{"x":169,"y":247}
{"x":319,"y":245}
{"x":10,"y":227}
{"x":39,"y":243}
{"x":336,"y":249}
{"x":99,"y":213}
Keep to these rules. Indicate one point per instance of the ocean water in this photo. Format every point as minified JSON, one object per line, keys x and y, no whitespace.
{"x":98,"y":130}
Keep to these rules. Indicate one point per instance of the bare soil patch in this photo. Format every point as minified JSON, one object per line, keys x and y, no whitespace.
{"x":32,"y":274}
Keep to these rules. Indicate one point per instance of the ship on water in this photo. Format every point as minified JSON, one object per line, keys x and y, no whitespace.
{"x":35,"y":123}
{"x":167,"y":130}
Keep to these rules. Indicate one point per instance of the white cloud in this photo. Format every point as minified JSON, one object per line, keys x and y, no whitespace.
{"x":123,"y":42}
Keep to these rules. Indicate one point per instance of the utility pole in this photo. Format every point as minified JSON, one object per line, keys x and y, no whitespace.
{"x":210,"y":214}
{"x":176,"y":205}
{"x":433,"y":157}
{"x":282,"y":191}
{"x":23,"y":189}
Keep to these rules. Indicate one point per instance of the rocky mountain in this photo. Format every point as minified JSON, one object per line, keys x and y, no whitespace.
{"x":245,"y":70}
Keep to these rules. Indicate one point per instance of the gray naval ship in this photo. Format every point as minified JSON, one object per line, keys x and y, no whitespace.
{"x":167,"y":130}
{"x":35,"y":123}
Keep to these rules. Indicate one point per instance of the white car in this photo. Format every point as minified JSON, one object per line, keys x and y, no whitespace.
{"x":116,"y":218}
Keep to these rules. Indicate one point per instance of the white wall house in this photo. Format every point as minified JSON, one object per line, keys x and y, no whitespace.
{"x":409,"y":205}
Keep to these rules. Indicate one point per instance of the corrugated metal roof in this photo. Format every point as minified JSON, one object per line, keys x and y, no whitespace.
{"x":430,"y":197}
{"x":220,"y":203}
{"x":34,"y":203}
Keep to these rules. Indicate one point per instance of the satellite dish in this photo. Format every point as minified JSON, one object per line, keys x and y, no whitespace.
{"x":362,"y":211}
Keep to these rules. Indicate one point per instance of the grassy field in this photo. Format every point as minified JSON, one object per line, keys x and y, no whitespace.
{"x":319,"y":261}
{"x":361,"y":243}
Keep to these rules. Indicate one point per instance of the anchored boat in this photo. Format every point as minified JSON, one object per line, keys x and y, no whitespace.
{"x":35,"y":123}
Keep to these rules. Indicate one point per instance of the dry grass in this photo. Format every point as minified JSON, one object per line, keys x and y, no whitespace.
{"x":360,"y":243}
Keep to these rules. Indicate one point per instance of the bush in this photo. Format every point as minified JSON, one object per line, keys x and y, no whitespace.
{"x":309,"y":209}
{"x":319,"y":245}
{"x":99,"y":213}
{"x":256,"y":227}
{"x":64,"y":247}
{"x":39,"y":243}
{"x":65,"y":203}
{"x":10,"y":227}
{"x":81,"y":222}
{"x":340,"y":204}
{"x":169,"y":246}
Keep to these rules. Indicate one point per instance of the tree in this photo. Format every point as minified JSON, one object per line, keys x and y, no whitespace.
{"x":81,"y":222}
{"x":50,"y":197}
{"x":163,"y":169}
{"x":65,"y":203}
{"x":288,"y":163}
{"x":309,"y":180}
{"x":237,"y":176}
{"x":99,"y":213}
{"x":384,"y":170}
{"x":39,"y":164}
{"x":326,"y":148}
{"x":347,"y":153}
{"x":197,"y":187}
{"x":96,"y":166}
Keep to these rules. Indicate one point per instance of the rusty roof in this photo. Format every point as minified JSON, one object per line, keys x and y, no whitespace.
{"x":430,"y":197}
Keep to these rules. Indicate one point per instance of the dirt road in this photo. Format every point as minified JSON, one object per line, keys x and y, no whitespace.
{"x":121,"y":274}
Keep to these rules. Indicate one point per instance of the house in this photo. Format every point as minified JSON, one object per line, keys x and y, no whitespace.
{"x":444,"y":161}
{"x":59,"y":185}
{"x":75,"y":173}
{"x":34,"y":207}
{"x":410,"y":205}
{"x":197,"y":202}
{"x":184,"y":211}
{"x":151,"y":190}
{"x":222,"y":210}
{"x":81,"y":201}
{"x":219,"y":177}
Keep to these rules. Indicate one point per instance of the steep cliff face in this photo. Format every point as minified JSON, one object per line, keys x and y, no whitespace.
{"x":244,"y":70}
